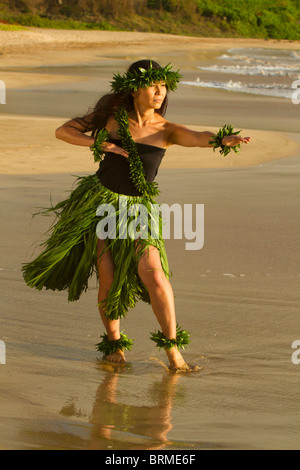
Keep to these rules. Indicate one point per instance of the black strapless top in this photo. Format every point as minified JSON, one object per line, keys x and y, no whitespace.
{"x":114,"y":172}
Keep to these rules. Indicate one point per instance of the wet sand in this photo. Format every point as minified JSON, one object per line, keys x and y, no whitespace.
{"x":239,"y":295}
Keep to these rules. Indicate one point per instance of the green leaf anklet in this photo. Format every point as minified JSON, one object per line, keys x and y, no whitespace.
{"x":182,"y":339}
{"x":109,"y":347}
{"x":217,"y":140}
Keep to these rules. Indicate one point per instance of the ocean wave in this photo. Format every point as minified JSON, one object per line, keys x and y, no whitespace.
{"x":259,"y":70}
{"x":275,"y":89}
{"x":264,"y":54}
{"x":256,"y":62}
{"x":295,"y":55}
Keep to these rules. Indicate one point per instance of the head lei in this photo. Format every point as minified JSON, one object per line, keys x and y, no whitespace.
{"x":143,"y":78}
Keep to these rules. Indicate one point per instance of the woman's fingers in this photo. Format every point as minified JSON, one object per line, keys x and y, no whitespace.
{"x":108,"y":147}
{"x":232,"y":140}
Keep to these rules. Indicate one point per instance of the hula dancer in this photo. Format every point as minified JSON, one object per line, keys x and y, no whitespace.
{"x":100,"y":227}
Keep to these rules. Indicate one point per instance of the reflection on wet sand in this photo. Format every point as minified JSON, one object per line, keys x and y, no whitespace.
{"x":150,"y":424}
{"x":119,"y":426}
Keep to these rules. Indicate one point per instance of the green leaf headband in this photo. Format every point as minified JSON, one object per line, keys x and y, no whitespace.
{"x":131,"y":81}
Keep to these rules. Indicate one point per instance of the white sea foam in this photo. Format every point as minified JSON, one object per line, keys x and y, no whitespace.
{"x":295,"y":55}
{"x":256,"y":62}
{"x":275,"y":89}
{"x":265,"y":54}
{"x":260,"y":70}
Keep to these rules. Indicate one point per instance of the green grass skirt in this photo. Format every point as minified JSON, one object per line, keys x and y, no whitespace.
{"x":69,"y":256}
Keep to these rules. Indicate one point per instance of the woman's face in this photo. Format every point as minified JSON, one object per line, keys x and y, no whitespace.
{"x":151,"y":97}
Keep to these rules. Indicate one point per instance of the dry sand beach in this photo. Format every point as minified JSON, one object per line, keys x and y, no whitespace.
{"x":239,"y":295}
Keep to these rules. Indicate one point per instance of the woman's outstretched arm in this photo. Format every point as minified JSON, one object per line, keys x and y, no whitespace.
{"x":181,"y":135}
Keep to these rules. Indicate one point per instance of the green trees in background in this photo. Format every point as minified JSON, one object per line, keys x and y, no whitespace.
{"x":277,"y":19}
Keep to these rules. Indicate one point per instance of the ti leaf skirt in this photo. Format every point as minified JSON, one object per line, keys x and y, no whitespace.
{"x":129,"y":225}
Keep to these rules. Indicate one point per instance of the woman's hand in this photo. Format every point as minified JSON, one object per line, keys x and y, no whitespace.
{"x":109,"y":147}
{"x":232,"y":140}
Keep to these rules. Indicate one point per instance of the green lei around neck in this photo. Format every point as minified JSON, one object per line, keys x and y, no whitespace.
{"x":137,"y":175}
{"x":131,"y":81}
{"x":135,"y":164}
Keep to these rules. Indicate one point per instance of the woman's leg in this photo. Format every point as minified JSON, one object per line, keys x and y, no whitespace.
{"x":162,"y":300}
{"x":106,"y":275}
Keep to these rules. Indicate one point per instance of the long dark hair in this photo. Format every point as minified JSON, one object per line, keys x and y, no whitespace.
{"x":109,"y":103}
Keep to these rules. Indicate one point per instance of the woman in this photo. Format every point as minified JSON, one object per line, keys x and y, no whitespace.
{"x":127,"y":129}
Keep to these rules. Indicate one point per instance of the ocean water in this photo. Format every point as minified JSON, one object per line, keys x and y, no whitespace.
{"x":267,"y":72}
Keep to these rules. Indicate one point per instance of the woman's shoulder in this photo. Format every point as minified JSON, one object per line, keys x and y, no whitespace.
{"x":171,"y":127}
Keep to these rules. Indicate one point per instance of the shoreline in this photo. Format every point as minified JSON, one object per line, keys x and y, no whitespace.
{"x":34,"y":71}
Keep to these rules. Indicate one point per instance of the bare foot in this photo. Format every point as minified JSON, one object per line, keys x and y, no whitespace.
{"x":176,"y":360}
{"x":117,"y":357}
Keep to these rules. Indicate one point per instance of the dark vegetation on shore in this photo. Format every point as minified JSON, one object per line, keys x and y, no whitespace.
{"x":276,"y":19}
